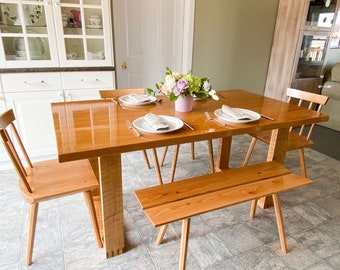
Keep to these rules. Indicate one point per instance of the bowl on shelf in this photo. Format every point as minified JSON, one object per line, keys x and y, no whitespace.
{"x":99,"y":55}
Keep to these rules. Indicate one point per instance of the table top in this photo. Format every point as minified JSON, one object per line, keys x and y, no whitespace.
{"x":92,"y":128}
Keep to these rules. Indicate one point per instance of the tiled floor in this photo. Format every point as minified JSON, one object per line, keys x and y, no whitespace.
{"x":225,"y":239}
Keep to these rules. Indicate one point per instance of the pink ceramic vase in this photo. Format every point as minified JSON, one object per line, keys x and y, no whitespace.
{"x":184,"y":103}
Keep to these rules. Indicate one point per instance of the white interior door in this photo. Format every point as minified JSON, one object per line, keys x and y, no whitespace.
{"x":150,"y":35}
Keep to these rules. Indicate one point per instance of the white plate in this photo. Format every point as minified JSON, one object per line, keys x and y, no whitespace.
{"x":173,"y":122}
{"x":127,"y":100}
{"x":94,"y":26}
{"x":253,"y":115}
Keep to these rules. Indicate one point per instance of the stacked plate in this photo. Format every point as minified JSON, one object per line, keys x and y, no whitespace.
{"x":236,"y":115}
{"x":137,"y":99}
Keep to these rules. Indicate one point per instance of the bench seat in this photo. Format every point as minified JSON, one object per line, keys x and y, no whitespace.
{"x":186,"y":198}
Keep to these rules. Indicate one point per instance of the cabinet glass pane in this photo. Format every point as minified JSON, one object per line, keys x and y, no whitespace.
{"x":25,"y":14}
{"x":69,"y":1}
{"x":74,"y":48}
{"x":71,"y":18}
{"x":313,"y":50}
{"x":92,"y":2}
{"x":321,"y":13}
{"x":94,"y":20}
{"x":95,"y":49}
{"x":24,"y":32}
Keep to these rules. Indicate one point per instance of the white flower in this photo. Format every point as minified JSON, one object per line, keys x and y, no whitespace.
{"x":213,"y":94}
{"x":206,"y":85}
{"x":170,"y":82}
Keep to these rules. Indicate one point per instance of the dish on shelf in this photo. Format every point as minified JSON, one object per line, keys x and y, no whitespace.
{"x":31,"y":14}
{"x":36,"y":45}
{"x":99,"y":55}
{"x":92,"y":26}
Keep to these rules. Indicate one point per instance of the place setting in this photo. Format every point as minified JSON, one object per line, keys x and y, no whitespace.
{"x":236,"y":115}
{"x":157,"y":124}
{"x":135,"y":99}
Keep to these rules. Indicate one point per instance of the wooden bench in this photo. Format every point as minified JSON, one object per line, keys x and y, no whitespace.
{"x":183,"y":199}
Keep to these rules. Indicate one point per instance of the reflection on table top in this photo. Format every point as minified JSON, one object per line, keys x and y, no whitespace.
{"x":93,"y":128}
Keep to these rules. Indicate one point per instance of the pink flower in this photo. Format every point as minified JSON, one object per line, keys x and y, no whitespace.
{"x":181,"y":87}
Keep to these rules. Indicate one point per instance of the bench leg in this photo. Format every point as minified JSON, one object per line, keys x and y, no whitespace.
{"x":279,"y":220}
{"x":253,"y":208}
{"x":161,"y":234}
{"x":184,"y":243}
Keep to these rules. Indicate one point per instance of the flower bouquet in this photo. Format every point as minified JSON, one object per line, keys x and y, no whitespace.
{"x":177,"y":84}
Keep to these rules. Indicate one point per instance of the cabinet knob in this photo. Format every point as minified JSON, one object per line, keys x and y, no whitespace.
{"x":34,"y":82}
{"x":124,"y":65}
{"x":90,"y":80}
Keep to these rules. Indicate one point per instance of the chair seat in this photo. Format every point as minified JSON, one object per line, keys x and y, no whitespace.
{"x":67,"y":178}
{"x":295,"y":141}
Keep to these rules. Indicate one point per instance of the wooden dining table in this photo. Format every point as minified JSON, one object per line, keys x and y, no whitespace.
{"x":96,"y":130}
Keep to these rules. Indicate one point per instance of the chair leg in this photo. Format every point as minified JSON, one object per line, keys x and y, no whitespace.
{"x":279,"y":220}
{"x":211,"y":156}
{"x":192,"y":150}
{"x":145,"y":155}
{"x":174,"y":163}
{"x":94,"y":220}
{"x":32,"y":222}
{"x":250,"y":151}
{"x":157,"y":168}
{"x":161,"y":234}
{"x":302,"y":162}
{"x":164,"y":155}
{"x":184,"y":243}
{"x":253,"y":208}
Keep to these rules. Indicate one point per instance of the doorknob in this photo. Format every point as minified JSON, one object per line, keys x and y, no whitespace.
{"x":124,"y":65}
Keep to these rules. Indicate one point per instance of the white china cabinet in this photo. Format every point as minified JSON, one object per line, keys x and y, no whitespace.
{"x":52,"y":50}
{"x":63,"y":33}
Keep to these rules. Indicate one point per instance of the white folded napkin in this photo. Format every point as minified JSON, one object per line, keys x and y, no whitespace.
{"x":138,"y":98}
{"x":156,"y":122}
{"x":234,"y":113}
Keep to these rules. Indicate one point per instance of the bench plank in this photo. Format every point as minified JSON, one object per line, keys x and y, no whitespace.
{"x":202,"y":203}
{"x":171,"y":192}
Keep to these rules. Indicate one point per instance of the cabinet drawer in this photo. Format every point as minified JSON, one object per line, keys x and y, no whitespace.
{"x":23,"y":82}
{"x":88,"y":80}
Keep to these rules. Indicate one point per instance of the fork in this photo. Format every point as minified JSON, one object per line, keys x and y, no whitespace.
{"x":116,"y":101}
{"x":132,"y":128}
{"x":207,"y":115}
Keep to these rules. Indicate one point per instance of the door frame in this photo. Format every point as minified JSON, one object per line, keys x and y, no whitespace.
{"x":188,"y":35}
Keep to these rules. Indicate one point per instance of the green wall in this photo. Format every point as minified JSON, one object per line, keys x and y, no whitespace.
{"x":232,"y":42}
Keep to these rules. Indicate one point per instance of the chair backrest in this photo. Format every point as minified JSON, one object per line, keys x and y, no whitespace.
{"x":6,"y":127}
{"x":313,"y":101}
{"x":114,"y":93}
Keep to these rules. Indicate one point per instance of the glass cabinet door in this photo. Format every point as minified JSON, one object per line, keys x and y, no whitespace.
{"x":24,"y":35}
{"x":312,"y":55}
{"x":84,"y":32}
{"x":321,"y":14}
